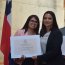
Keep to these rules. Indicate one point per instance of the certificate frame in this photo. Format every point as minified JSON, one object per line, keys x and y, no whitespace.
{"x":25,"y":45}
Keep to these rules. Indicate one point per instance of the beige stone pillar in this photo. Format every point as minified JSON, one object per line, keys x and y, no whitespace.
{"x":2,"y":10}
{"x":60,"y":12}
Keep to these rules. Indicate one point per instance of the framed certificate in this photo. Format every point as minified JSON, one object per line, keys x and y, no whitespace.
{"x":25,"y":45}
{"x":63,"y":46}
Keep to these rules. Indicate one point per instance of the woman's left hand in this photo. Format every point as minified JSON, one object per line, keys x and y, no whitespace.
{"x":34,"y":58}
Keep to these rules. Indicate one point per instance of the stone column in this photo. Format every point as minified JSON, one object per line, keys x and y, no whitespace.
{"x":2,"y":10}
{"x":60,"y":12}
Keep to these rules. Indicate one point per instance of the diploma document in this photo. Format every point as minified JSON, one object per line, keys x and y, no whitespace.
{"x":25,"y":45}
{"x":63,"y":46}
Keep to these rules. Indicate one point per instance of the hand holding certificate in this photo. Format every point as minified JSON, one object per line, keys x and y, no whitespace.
{"x":25,"y":45}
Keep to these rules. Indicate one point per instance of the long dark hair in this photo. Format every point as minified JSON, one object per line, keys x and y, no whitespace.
{"x":54,"y":25}
{"x":27,"y":22}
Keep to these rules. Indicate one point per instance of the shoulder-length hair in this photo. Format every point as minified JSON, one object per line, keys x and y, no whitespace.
{"x":54,"y":25}
{"x":27,"y":22}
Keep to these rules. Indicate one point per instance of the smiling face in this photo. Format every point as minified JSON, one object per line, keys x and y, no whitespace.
{"x":32,"y":23}
{"x":48,"y":20}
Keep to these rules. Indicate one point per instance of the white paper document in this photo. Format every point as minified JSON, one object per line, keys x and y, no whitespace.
{"x":63,"y":46}
{"x":25,"y":45}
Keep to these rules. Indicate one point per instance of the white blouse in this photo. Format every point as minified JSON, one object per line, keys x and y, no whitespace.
{"x":43,"y":41}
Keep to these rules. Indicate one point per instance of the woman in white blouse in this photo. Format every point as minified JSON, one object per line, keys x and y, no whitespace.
{"x":51,"y":41}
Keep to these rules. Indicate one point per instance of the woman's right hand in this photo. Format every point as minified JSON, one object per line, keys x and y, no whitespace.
{"x":19,"y":60}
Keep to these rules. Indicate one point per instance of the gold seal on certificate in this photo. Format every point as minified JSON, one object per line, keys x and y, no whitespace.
{"x":25,"y":45}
